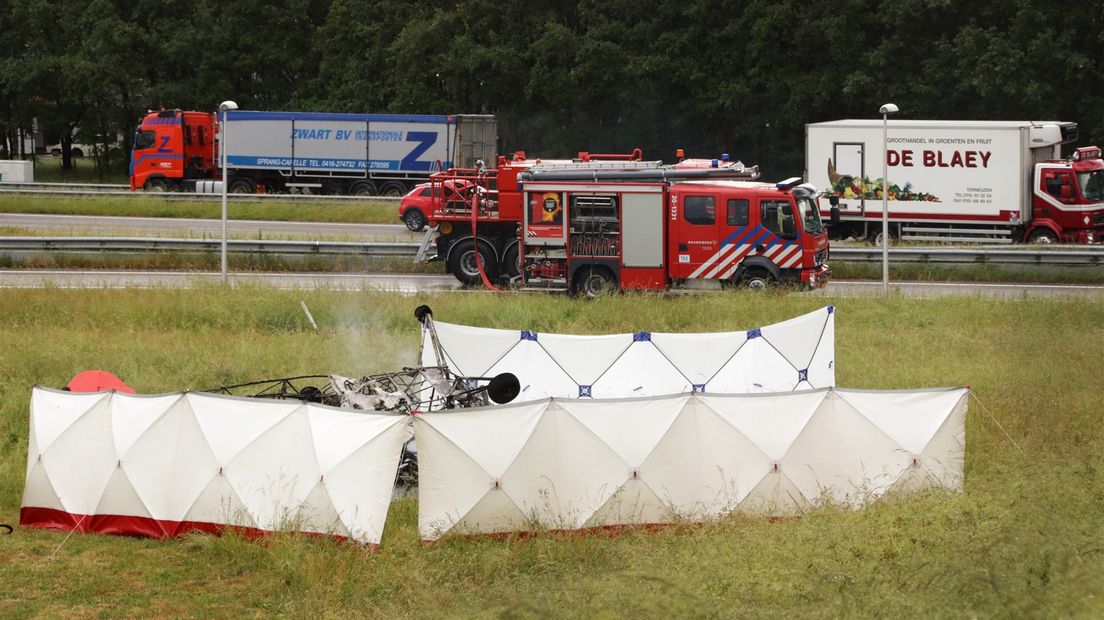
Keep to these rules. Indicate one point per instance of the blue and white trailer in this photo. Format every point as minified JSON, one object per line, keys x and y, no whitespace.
{"x":359,"y":154}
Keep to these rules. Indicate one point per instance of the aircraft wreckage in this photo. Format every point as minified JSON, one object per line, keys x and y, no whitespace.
{"x":407,"y":391}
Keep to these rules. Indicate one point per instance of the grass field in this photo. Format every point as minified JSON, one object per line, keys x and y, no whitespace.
{"x":47,"y":169}
{"x":1025,"y":539}
{"x":356,"y":211}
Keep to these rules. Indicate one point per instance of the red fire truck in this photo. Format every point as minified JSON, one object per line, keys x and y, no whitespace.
{"x":606,"y":222}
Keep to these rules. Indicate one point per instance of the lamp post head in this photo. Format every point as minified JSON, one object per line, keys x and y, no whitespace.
{"x":889,"y":108}
{"x":230,"y":105}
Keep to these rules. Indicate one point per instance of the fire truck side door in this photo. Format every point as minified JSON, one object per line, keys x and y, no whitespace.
{"x":695,"y":239}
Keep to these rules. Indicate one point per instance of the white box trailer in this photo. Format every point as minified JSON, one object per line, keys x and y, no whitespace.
{"x":353,"y":153}
{"x":953,"y":180}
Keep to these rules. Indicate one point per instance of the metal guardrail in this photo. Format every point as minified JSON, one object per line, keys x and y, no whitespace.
{"x":95,"y":190}
{"x":982,"y":256}
{"x":246,"y":246}
{"x":62,"y":186}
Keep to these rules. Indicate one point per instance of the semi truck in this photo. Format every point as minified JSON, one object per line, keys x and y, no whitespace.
{"x":997,"y":181}
{"x":305,"y":152}
{"x":601,"y":223}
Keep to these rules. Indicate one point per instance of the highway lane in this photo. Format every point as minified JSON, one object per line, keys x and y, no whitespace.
{"x":422,"y":283}
{"x":167,"y":225}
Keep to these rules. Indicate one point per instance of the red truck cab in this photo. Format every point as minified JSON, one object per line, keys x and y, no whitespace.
{"x":1068,"y":199}
{"x":747,"y":232}
{"x":590,"y":236}
{"x":171,"y":146}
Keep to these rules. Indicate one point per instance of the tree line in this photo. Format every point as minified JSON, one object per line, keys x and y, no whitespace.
{"x":562,"y":76}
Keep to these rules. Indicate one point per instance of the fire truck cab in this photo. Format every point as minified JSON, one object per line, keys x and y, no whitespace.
{"x":589,"y":237}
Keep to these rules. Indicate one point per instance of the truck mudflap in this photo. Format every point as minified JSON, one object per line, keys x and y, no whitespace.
{"x":816,"y":278}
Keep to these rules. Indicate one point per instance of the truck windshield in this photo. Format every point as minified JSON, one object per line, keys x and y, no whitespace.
{"x":1092,"y":184}
{"x":810,"y":216}
{"x":144,"y":140}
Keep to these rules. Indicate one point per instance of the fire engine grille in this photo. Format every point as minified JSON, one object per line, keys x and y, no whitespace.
{"x":1098,"y":219}
{"x":820,"y":257}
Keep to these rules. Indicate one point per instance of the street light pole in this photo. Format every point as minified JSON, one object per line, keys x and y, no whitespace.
{"x":224,"y":107}
{"x":885,"y":111}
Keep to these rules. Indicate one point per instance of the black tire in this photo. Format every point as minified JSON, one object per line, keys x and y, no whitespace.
{"x":1042,"y":236}
{"x":876,"y":237}
{"x":55,"y":152}
{"x":241,"y":186}
{"x":462,"y":265}
{"x":76,"y":152}
{"x":156,"y":185}
{"x":595,"y":282}
{"x":415,"y":220}
{"x":393,"y":189}
{"x":363,"y":188}
{"x":756,"y":279}
{"x":511,"y":261}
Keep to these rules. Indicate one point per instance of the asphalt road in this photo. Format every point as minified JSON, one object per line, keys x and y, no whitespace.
{"x":417,"y":283}
{"x":165,"y":225}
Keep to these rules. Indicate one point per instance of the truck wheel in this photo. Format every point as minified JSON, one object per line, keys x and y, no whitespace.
{"x":463,"y":266}
{"x":156,"y":185}
{"x":511,"y":261}
{"x":1042,"y":236}
{"x":393,"y":189}
{"x":876,"y":238}
{"x":756,"y":280}
{"x":595,"y":282}
{"x":363,"y":188}
{"x":414,"y":220}
{"x":241,"y":186}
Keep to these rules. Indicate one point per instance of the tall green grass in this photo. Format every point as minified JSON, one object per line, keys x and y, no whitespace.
{"x":933,"y":272}
{"x":1023,"y":540}
{"x":355,"y":211}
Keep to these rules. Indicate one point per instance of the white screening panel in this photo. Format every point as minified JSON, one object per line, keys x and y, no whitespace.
{"x":797,"y":354}
{"x":572,"y":464}
{"x":166,"y":464}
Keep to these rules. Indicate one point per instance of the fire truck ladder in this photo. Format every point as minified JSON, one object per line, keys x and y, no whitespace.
{"x":595,"y":165}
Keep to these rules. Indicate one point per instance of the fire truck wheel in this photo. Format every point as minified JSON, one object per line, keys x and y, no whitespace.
{"x":595,"y":282}
{"x":414,"y":220}
{"x":1042,"y":236}
{"x":511,"y":261}
{"x":463,"y":266}
{"x":756,"y":280}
